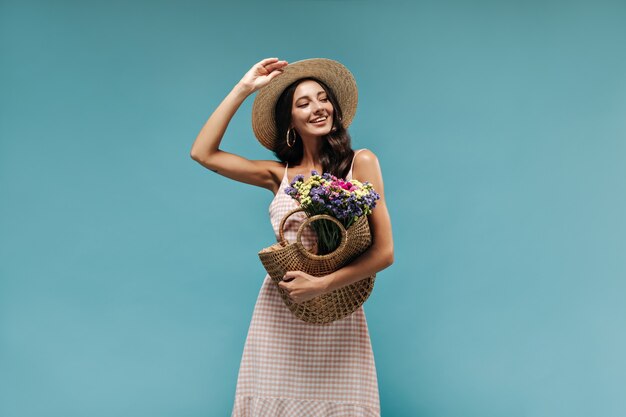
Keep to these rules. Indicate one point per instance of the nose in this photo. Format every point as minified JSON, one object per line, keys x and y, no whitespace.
{"x":319,"y":107}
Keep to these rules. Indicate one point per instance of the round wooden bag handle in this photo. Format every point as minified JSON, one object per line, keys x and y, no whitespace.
{"x":342,"y":244}
{"x":282,"y":223}
{"x":338,"y":249}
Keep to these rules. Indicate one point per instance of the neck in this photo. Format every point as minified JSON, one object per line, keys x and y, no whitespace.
{"x":311,"y":151}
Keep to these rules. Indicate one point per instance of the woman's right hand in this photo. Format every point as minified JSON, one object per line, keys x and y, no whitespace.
{"x":262,"y":73}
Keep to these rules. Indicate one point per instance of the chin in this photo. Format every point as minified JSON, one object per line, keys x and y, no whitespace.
{"x":320,"y":132}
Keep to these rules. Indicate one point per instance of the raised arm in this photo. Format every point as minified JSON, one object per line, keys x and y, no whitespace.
{"x":205,"y":149}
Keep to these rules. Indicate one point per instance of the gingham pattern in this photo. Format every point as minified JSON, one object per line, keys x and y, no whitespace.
{"x":291,"y":368}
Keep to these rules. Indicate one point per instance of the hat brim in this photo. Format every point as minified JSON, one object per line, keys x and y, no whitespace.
{"x":334,"y":74}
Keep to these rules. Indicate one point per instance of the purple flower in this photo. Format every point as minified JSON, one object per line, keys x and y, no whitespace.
{"x":298,"y":177}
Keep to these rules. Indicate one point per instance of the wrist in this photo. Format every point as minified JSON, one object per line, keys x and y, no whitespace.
{"x":243,"y":89}
{"x":326,"y":283}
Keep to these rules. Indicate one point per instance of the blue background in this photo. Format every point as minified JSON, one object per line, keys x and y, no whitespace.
{"x":129,"y":273}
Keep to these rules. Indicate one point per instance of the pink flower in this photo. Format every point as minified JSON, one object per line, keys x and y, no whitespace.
{"x":346,"y":185}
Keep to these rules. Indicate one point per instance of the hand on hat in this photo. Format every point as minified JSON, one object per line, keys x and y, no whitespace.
{"x":262,"y":73}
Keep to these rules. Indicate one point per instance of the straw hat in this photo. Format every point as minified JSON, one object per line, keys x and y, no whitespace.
{"x":334,"y":74}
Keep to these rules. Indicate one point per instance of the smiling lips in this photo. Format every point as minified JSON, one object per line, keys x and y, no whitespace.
{"x":320,"y":120}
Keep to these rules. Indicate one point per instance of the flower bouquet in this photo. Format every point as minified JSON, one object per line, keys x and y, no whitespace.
{"x":346,"y":201}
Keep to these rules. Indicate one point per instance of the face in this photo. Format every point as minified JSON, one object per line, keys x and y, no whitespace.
{"x":310,"y":102}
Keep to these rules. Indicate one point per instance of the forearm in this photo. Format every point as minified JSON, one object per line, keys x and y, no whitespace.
{"x":210,"y":136}
{"x":373,"y":260}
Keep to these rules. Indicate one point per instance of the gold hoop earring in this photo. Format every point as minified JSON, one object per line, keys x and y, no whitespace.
{"x":289,"y":136}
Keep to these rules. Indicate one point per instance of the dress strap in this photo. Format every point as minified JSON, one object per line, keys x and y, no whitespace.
{"x":354,"y":157}
{"x":285,"y":174}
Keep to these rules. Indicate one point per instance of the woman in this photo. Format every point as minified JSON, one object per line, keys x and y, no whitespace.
{"x":290,"y":367}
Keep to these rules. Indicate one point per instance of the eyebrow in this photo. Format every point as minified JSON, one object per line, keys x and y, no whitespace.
{"x":318,"y":93}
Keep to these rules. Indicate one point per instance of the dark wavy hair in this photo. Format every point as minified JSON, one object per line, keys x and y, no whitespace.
{"x":336,"y":153}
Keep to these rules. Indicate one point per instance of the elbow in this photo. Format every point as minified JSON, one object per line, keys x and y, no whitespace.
{"x":389,"y":258}
{"x":202,"y":159}
{"x":194,"y":155}
{"x":384,"y":254}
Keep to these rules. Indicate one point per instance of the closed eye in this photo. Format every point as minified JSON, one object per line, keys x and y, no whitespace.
{"x":324,"y":100}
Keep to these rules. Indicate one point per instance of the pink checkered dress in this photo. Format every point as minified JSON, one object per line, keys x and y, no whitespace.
{"x":291,"y":368}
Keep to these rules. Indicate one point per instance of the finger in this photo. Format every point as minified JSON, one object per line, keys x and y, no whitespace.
{"x":268,"y":69}
{"x":267,"y":61}
{"x":275,"y":65}
{"x":274,"y":74}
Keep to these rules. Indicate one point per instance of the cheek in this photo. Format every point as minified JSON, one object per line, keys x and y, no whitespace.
{"x":301,"y":116}
{"x":296,"y":118}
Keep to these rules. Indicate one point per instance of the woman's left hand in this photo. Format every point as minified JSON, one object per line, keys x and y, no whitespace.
{"x":302,"y":286}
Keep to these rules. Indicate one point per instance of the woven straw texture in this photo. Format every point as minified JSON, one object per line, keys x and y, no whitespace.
{"x":332,"y":73}
{"x":291,"y":368}
{"x":284,"y":256}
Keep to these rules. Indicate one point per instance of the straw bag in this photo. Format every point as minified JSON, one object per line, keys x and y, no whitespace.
{"x":284,"y":256}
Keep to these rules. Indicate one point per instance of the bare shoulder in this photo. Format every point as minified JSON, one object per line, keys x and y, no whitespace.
{"x":365,"y":156}
{"x":367,"y":168}
{"x":365,"y":164}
